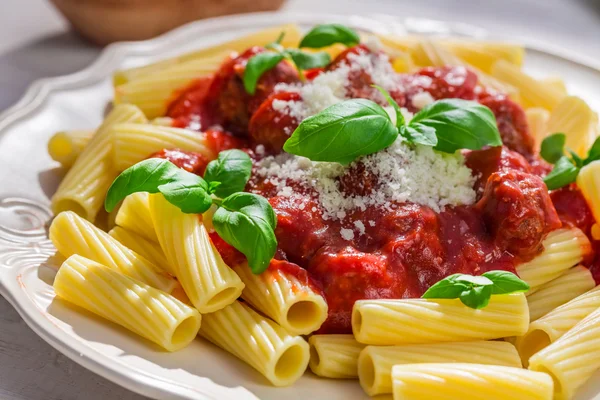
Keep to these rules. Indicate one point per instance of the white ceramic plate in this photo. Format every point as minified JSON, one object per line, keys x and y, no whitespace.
{"x":28,"y":177}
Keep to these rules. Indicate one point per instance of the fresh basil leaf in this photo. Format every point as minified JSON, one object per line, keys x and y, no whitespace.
{"x":343,"y":132}
{"x":247,"y":222}
{"x":212,"y":186}
{"x":563,"y":173}
{"x":232,"y":169}
{"x":447,"y":288}
{"x":190,"y":195}
{"x":459,"y":124}
{"x":553,"y":147}
{"x":328,"y":34}
{"x":419,"y":134}
{"x":476,"y":297}
{"x":400,"y":122}
{"x":474,"y":280}
{"x":304,"y":60}
{"x":594,"y":153}
{"x":506,"y":282}
{"x":578,"y":161}
{"x":150,"y":176}
{"x":257,"y":66}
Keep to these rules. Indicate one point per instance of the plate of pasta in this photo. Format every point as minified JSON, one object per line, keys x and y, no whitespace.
{"x":285,"y":206}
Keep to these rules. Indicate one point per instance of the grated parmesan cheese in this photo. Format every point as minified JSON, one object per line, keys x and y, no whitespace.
{"x":422,"y":99}
{"x":347,"y":234}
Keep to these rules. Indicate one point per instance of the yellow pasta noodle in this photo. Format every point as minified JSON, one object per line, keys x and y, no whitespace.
{"x":563,"y":249}
{"x":260,"y":38}
{"x":572,"y":359}
{"x":72,"y":234}
{"x":134,"y":215}
{"x":559,"y":291}
{"x":136,"y":142}
{"x":537,"y":119}
{"x":533,"y":92}
{"x":375,"y":362}
{"x":291,"y":303}
{"x":258,"y":341}
{"x":556,"y":323}
{"x":65,"y":146}
{"x":153,"y":92}
{"x":469,"y":381}
{"x":557,"y":83}
{"x":208,"y":282}
{"x":85,"y":185}
{"x":588,"y":182}
{"x":408,"y":321}
{"x":334,"y":356}
{"x":151,"y":251}
{"x":142,"y":309}
{"x":573,"y":117}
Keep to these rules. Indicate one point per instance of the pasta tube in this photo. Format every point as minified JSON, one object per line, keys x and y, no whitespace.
{"x":588,"y":182}
{"x":72,"y":234}
{"x":572,"y":359}
{"x":134,"y":215}
{"x":533,"y":92}
{"x":556,"y":323}
{"x":151,"y":251}
{"x":289,"y":301}
{"x":563,"y":249}
{"x":334,"y":356}
{"x":257,"y":341}
{"x":208,"y":282}
{"x":375,"y":363}
{"x":153,"y":92}
{"x":65,"y":146}
{"x":136,"y":142}
{"x":537,"y":119}
{"x":408,"y":321}
{"x":132,"y":304}
{"x":85,"y":185}
{"x":469,"y":381}
{"x":559,"y":291}
{"x":577,"y":121}
{"x":260,"y":38}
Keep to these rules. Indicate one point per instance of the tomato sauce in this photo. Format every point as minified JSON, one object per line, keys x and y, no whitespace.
{"x":403,"y":250}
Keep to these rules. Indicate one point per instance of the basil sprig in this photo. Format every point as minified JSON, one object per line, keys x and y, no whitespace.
{"x":245,"y":221}
{"x":263,"y":62}
{"x":476,"y":291}
{"x":566,"y":167}
{"x":360,"y":127}
{"x":328,"y":34}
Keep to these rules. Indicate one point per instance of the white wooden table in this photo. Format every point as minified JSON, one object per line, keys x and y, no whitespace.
{"x":35,"y":42}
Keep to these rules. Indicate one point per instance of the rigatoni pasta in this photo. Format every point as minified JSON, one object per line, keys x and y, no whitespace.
{"x":559,"y":291}
{"x":151,"y":251}
{"x":464,"y":381}
{"x":292,"y":303}
{"x":334,"y":356}
{"x":134,"y":215}
{"x":142,"y":309}
{"x":208,"y":282}
{"x":258,"y":341}
{"x":588,"y":182}
{"x":83,"y":188}
{"x":65,"y":146}
{"x":412,"y":321}
{"x":375,"y":362}
{"x":572,"y":359}
{"x":72,"y":235}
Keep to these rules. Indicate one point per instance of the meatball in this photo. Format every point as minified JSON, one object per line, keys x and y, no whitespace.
{"x":188,"y":160}
{"x":234,"y":105}
{"x":512,"y":123}
{"x":484,"y":163}
{"x":358,"y":181}
{"x":272,"y":126}
{"x":518,"y":211}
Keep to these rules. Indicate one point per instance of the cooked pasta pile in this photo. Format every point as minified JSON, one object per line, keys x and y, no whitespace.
{"x":162,"y":273}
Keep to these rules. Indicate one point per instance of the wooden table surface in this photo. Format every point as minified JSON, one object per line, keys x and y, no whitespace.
{"x":35,"y":42}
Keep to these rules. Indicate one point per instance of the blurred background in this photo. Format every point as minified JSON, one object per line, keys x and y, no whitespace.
{"x":37,"y":40}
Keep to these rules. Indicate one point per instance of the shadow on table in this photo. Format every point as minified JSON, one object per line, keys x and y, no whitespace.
{"x":54,"y":55}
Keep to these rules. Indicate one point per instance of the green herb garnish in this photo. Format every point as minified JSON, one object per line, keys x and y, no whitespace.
{"x":245,"y":221}
{"x":566,"y":167}
{"x":328,"y":34}
{"x":476,"y":291}
{"x":360,"y":127}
